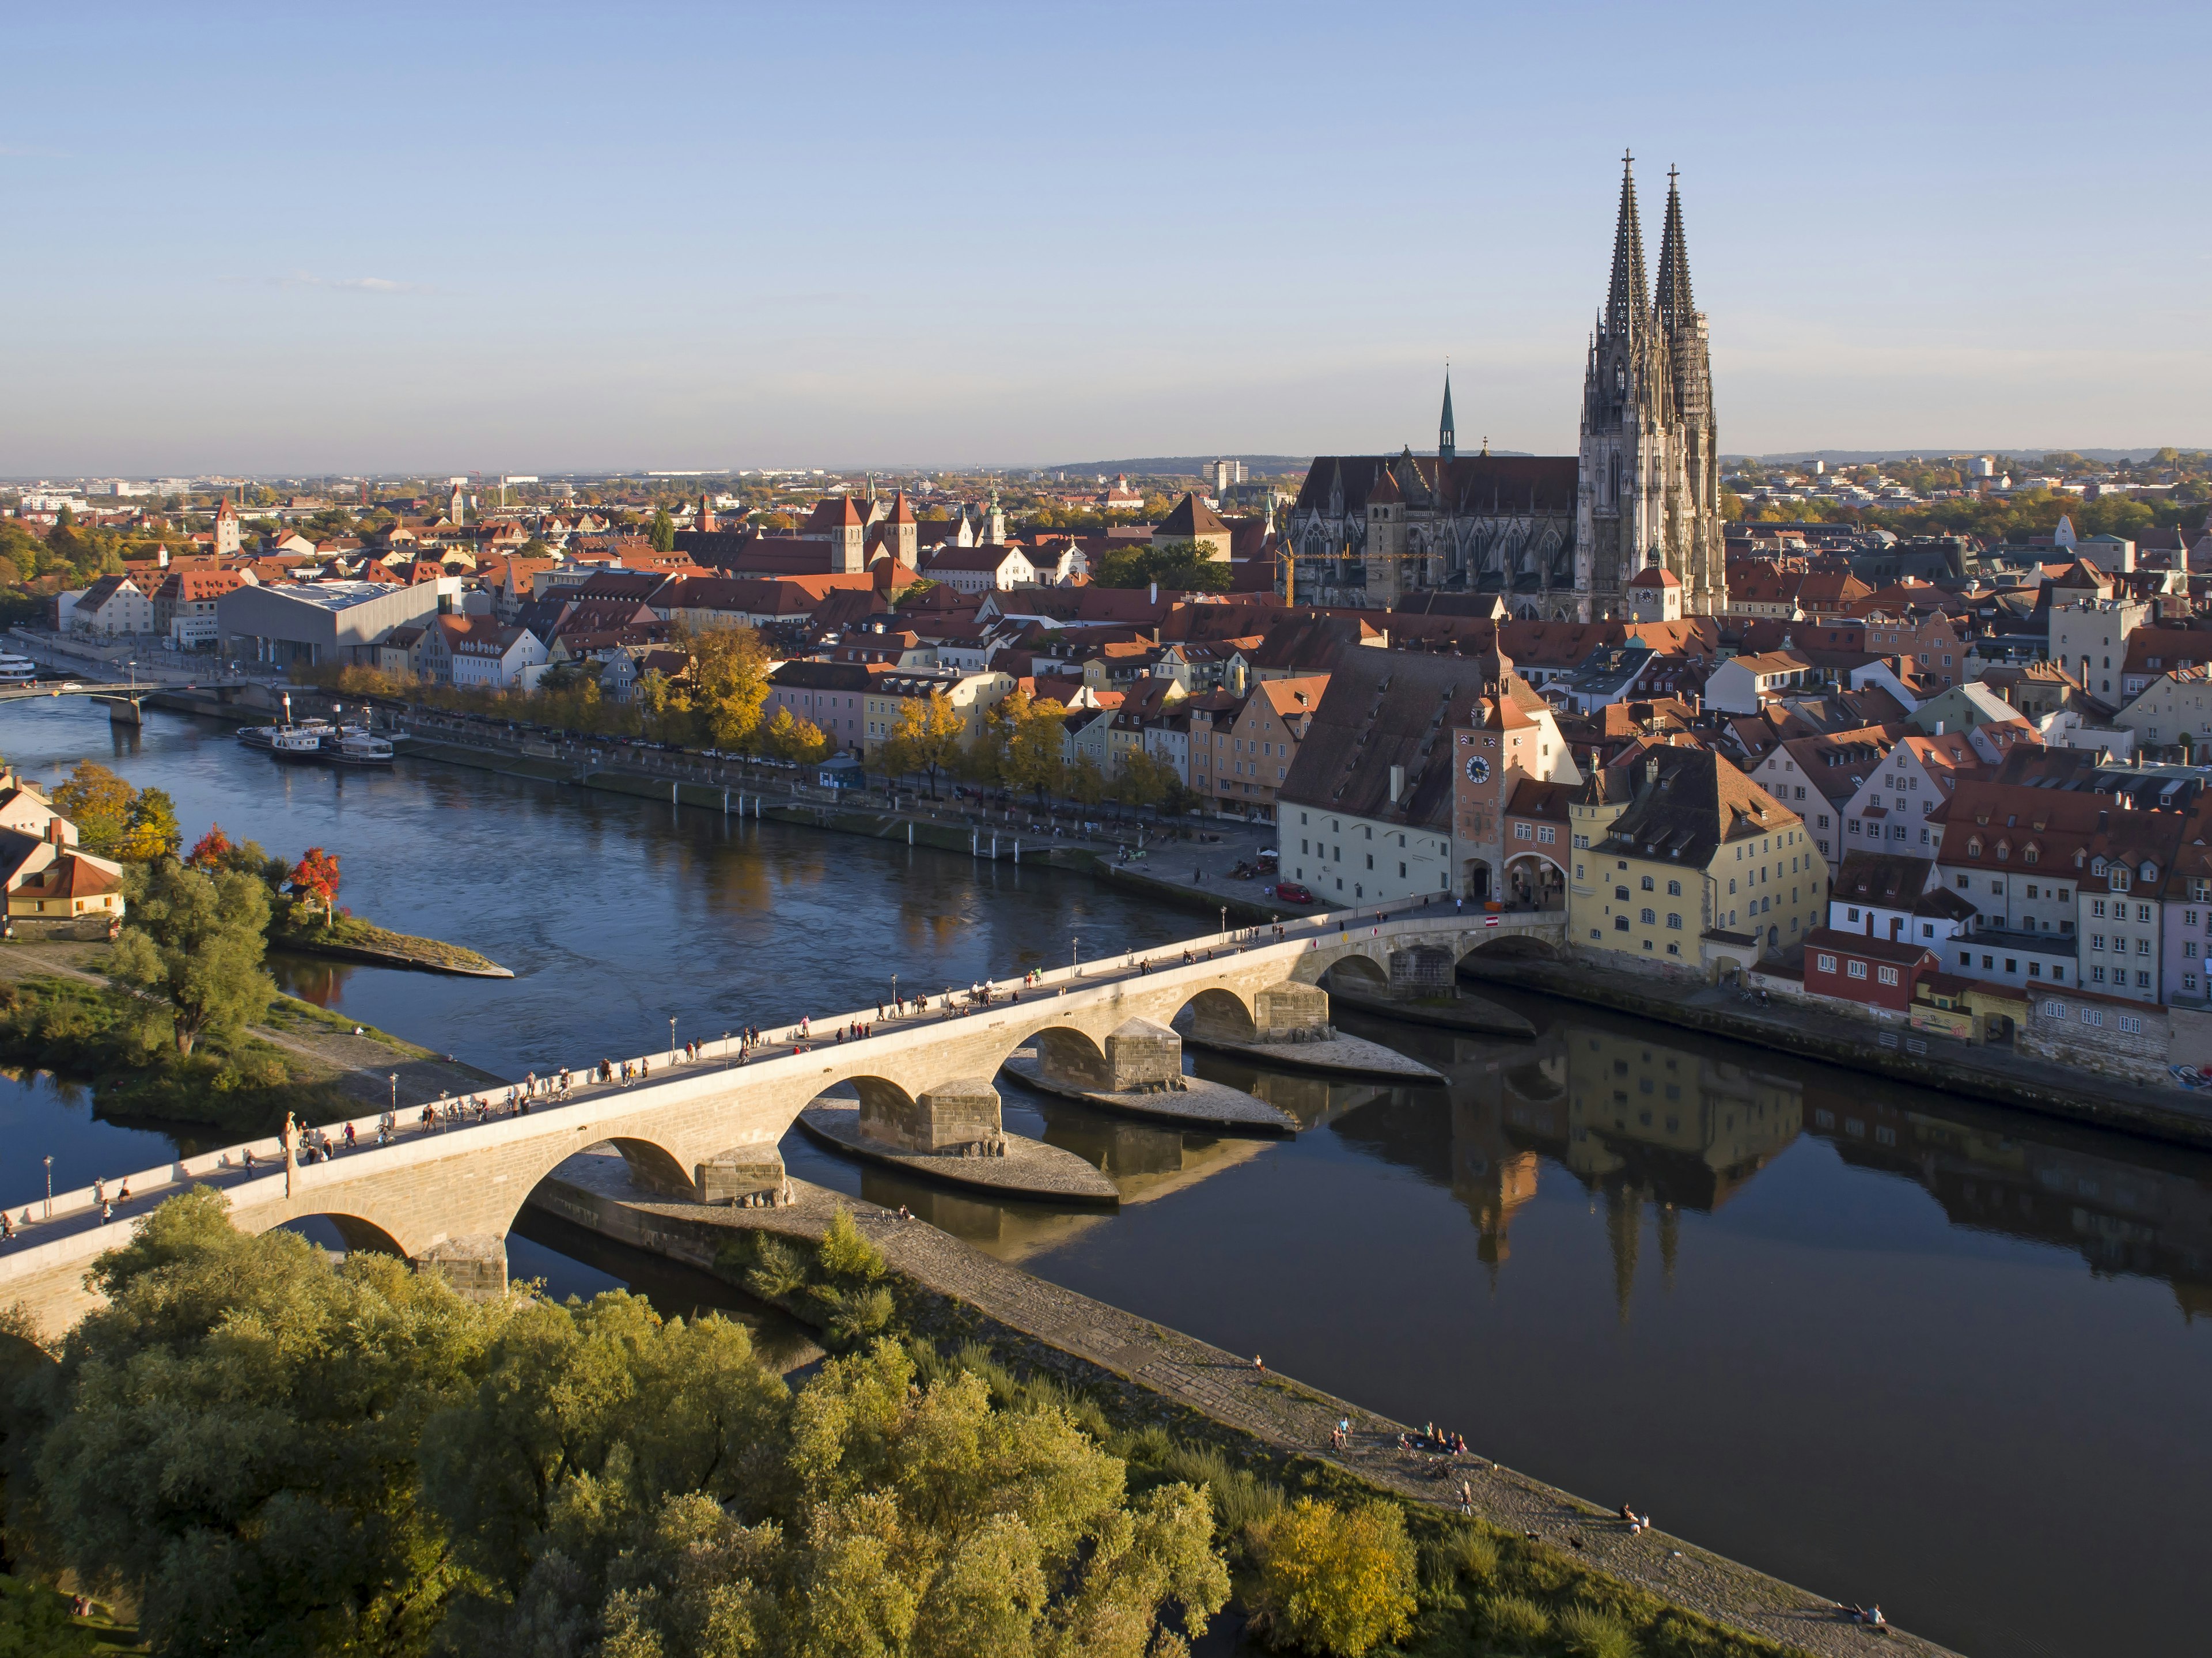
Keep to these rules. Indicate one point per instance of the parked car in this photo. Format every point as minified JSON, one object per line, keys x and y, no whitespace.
{"x":1292,"y":893}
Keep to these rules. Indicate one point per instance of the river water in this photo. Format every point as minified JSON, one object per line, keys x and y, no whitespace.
{"x":1886,"y":1343}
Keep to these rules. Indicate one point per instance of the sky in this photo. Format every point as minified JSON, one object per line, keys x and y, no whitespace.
{"x":536,"y":238}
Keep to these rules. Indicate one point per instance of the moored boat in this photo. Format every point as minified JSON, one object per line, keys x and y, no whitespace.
{"x":358,"y":748}
{"x":296,"y":742}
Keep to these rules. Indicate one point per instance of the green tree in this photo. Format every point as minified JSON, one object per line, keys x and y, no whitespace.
{"x":195,"y":941}
{"x":99,"y":803}
{"x":233,"y":1439}
{"x":662,"y":535}
{"x":1185,"y":565}
{"x":927,"y":738}
{"x":1085,"y":782}
{"x":729,"y":671}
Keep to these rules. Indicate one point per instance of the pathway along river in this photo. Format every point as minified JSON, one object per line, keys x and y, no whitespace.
{"x":1887,"y":1344}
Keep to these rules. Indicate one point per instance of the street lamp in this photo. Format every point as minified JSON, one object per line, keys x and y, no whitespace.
{"x":1074,"y":946}
{"x":50,"y":1188}
{"x":395,"y":1096}
{"x":895,"y":1001}
{"x":671,"y":1042}
{"x":1224,"y":924}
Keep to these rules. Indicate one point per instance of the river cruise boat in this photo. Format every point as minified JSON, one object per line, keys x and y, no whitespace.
{"x":17,"y":669}
{"x":358,"y":748}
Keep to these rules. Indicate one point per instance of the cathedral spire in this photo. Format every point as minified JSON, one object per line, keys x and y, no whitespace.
{"x":1447,"y":442}
{"x":1675,"y":305}
{"x":1627,"y":300}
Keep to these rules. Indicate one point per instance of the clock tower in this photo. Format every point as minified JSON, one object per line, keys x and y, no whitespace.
{"x":1513,"y":738}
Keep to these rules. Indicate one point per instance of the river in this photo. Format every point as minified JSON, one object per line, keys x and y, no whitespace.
{"x":1886,"y":1343}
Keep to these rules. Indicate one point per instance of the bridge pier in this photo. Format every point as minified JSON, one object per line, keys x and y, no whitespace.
{"x":1136,"y":1054}
{"x":962,"y":1112}
{"x":1291,"y":1013}
{"x":1422,"y":970}
{"x":750,"y":1176}
{"x":475,"y":1267}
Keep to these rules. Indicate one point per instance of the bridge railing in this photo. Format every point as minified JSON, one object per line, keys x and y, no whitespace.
{"x":457,"y":1112}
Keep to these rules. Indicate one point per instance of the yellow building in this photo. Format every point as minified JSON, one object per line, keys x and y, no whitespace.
{"x":972,"y":696}
{"x":1699,"y":871}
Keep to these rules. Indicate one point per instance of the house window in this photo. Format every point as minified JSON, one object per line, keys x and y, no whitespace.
{"x":1646,"y":917}
{"x":2130,"y":1025}
{"x":1520,"y":832}
{"x":1827,"y":963}
{"x":1620,"y":924}
{"x":1886,"y":975}
{"x":1855,"y":969}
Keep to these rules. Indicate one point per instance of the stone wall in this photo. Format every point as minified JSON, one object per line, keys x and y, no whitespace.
{"x":2114,"y":1039}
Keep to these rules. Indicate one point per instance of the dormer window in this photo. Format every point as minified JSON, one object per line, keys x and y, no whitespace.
{"x":2150,"y":872}
{"x":2031,"y":853}
{"x":2004,"y":851}
{"x":1974,"y":847}
{"x":2120,"y":880}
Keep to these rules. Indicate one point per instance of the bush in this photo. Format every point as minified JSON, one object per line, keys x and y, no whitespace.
{"x":856,"y":1315}
{"x":1589,"y":1633}
{"x":1338,"y":1582}
{"x":1513,"y":1617}
{"x":1471,"y":1552}
{"x":844,"y":1253}
{"x":35,"y":1622}
{"x":778,"y":1269}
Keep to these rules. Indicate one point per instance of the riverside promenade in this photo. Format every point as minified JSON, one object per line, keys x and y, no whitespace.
{"x":597,"y":1192}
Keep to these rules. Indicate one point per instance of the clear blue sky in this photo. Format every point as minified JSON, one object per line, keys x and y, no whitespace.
{"x":545,"y":237}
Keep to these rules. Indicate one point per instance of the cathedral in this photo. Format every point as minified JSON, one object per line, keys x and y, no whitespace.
{"x":1550,"y":537}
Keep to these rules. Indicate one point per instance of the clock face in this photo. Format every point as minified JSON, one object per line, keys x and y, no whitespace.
{"x":1477,"y":769}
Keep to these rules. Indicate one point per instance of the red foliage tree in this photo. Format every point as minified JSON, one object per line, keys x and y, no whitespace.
{"x":315,"y":877}
{"x":211,"y":848}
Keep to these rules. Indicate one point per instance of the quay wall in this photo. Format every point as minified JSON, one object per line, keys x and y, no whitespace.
{"x":2021,"y":1080}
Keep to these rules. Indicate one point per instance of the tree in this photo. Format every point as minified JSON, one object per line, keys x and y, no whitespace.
{"x":662,"y":535}
{"x":1144,"y":779}
{"x":99,"y":803}
{"x":798,"y":740}
{"x":233,"y":1438}
{"x":1336,"y":1581}
{"x":315,"y":878}
{"x":729,"y":671}
{"x":150,"y":828}
{"x":1186,"y":566}
{"x":927,"y":738}
{"x":1085,"y":782}
{"x":1033,"y":738}
{"x":208,"y":852}
{"x":195,"y":941}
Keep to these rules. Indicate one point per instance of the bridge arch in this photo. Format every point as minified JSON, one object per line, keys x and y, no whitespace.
{"x":359,"y":1234}
{"x":1221,"y":1015}
{"x":650,"y":1165}
{"x":1508,"y":946}
{"x":1357,"y":972}
{"x":1064,"y":1051}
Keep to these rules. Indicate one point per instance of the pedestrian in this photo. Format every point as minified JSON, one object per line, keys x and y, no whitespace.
{"x":124,"y":1196}
{"x":107,"y":1212}
{"x":98,"y":1190}
{"x":7,"y":1228}
{"x":1467,"y":1496}
{"x":1259,"y":1363}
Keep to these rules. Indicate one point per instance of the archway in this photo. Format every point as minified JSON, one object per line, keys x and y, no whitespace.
{"x":1219,"y":1015}
{"x":1358,"y":974}
{"x":654,"y":1168}
{"x":1512,"y":946}
{"x":1534,"y":881}
{"x":352,"y":1233}
{"x":1068,"y":1056}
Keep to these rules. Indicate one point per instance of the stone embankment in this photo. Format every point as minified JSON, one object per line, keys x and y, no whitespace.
{"x":593,"y":1190}
{"x":1986,"y":1073}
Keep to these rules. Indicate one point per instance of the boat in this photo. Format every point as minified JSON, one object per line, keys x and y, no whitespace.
{"x":296,"y":742}
{"x":17,"y":669}
{"x":258,"y":737}
{"x":358,"y":748}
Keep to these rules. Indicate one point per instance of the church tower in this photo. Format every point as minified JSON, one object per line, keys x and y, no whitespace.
{"x":1693,"y":527}
{"x":1649,"y":490}
{"x":1447,"y":441}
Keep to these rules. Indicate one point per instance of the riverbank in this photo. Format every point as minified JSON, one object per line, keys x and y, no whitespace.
{"x":1994,"y":1074}
{"x":1181,"y":1381}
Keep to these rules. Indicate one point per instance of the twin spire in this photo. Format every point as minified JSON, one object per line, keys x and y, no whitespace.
{"x":1626,"y":306}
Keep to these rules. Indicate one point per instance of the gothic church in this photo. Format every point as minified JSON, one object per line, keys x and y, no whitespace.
{"x":1550,"y":537}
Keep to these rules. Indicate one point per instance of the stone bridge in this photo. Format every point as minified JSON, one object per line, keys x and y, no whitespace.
{"x":710,"y":1128}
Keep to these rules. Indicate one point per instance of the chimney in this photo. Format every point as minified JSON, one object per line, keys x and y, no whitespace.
{"x":54,"y":831}
{"x":1939,"y":728}
{"x":1651,"y":771}
{"x":1397,"y":783}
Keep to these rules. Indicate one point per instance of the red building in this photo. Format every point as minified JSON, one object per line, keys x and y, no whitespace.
{"x":1874,"y":972}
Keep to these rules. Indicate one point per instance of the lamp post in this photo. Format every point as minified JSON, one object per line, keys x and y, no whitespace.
{"x":1224,"y":924}
{"x":671,"y":1042}
{"x":395,"y":1098}
{"x":50,"y":1188}
{"x":1074,"y":947}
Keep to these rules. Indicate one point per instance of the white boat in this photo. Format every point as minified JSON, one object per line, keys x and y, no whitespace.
{"x":258,"y":737}
{"x":296,"y":742}
{"x":358,"y":748}
{"x":17,"y":669}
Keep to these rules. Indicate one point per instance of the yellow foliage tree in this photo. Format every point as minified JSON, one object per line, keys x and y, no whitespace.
{"x":927,"y":738}
{"x":1339,"y":1582}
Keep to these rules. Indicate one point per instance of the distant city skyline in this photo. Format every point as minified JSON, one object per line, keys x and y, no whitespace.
{"x":550,"y":240}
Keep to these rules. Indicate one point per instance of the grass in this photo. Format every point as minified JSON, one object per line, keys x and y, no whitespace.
{"x":300,"y":1016}
{"x":122,"y":1045}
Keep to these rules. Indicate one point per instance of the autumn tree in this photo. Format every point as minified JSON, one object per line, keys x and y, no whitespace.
{"x":208,"y":852}
{"x":195,"y":942}
{"x":800,"y":741}
{"x":1337,"y":1581}
{"x":662,"y":535}
{"x":729,"y":672}
{"x":314,"y":879}
{"x":99,"y":803}
{"x":927,"y":738}
{"x":1033,"y":738}
{"x":151,"y":829}
{"x":1145,"y":779}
